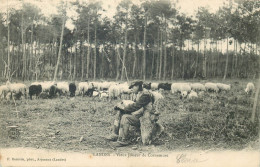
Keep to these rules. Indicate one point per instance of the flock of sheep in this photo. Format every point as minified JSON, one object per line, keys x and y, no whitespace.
{"x":107,"y":90}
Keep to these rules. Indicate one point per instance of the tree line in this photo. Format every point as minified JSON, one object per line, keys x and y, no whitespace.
{"x":146,"y":41}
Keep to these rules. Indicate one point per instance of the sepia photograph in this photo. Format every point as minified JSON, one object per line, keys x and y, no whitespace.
{"x":130,"y":83}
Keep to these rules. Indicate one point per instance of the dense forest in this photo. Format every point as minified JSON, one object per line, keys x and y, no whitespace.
{"x":152,"y":40}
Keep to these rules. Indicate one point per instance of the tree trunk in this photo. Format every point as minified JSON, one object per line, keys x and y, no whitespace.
{"x":75,"y":63}
{"x":152,"y":69}
{"x":197,"y":60}
{"x":135,"y":57}
{"x":158,"y":55}
{"x":144,"y":53}
{"x":8,"y":45}
{"x":82,"y":62}
{"x":161,"y":55}
{"x":226,"y":66}
{"x":70,"y":71}
{"x":117,"y":63}
{"x":95,"y":53}
{"x":102,"y":65}
{"x":172,"y":55}
{"x":59,"y":54}
{"x":23,"y":48}
{"x":236,"y":60}
{"x":88,"y":55}
{"x":165,"y":52}
{"x":183,"y":60}
{"x":204,"y":63}
{"x":124,"y":56}
{"x":61,"y":68}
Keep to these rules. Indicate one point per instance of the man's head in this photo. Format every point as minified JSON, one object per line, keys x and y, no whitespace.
{"x":136,"y":86}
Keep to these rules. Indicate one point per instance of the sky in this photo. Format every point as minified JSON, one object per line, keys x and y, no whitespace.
{"x":48,"y":7}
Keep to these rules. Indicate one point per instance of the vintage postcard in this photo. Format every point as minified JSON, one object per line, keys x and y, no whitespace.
{"x":129,"y":83}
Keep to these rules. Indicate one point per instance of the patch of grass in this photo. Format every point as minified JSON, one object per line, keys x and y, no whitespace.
{"x":211,"y":121}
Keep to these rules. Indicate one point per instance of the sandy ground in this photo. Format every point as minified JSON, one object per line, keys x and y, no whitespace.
{"x":200,"y":158}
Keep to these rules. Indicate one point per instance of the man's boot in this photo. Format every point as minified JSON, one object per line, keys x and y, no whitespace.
{"x":114,"y":135}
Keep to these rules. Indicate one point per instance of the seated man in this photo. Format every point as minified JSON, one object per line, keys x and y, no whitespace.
{"x":129,"y":115}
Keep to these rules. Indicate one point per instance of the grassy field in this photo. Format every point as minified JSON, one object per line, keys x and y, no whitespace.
{"x":212,"y":121}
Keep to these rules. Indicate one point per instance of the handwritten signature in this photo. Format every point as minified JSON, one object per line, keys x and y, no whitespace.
{"x":184,"y":158}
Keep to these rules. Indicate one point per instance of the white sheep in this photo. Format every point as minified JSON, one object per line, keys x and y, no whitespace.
{"x":197,"y":87}
{"x":223,"y":87}
{"x":96,"y":85}
{"x":16,"y":88}
{"x":8,"y":96}
{"x":103,"y":95}
{"x":201,"y":93}
{"x":83,"y":87}
{"x":250,"y":87}
{"x":192,"y":95}
{"x":154,"y":86}
{"x":36,"y":83}
{"x":3,"y":91}
{"x":95,"y":94}
{"x":179,"y":87}
{"x":157,"y":95}
{"x":184,"y":94}
{"x":211,"y":87}
{"x":127,"y":102}
{"x":46,"y":85}
{"x":103,"y":86}
{"x":124,"y":90}
{"x":63,"y":87}
{"x":124,"y":103}
{"x":113,"y":91}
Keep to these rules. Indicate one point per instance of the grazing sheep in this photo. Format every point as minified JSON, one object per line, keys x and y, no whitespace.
{"x":192,"y":95}
{"x":250,"y":87}
{"x":35,"y":90}
{"x":113,"y":91}
{"x":179,"y":87}
{"x":157,"y":96}
{"x":83,"y":87}
{"x":8,"y":96}
{"x":72,"y":89}
{"x":17,"y":89}
{"x":164,"y":86}
{"x":212,"y":87}
{"x":53,"y":91}
{"x":184,"y":94}
{"x":201,"y":93}
{"x":46,"y":85}
{"x":103,"y":95}
{"x":197,"y":87}
{"x":96,"y":85}
{"x":63,"y":87}
{"x":3,"y":91}
{"x":223,"y":87}
{"x":124,"y":90}
{"x":154,"y":86}
{"x":95,"y":93}
{"x":147,"y":85}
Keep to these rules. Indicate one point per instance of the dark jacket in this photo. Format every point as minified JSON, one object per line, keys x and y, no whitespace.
{"x":136,"y":108}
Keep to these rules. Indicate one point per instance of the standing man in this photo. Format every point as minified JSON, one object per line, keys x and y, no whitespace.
{"x":129,"y":115}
